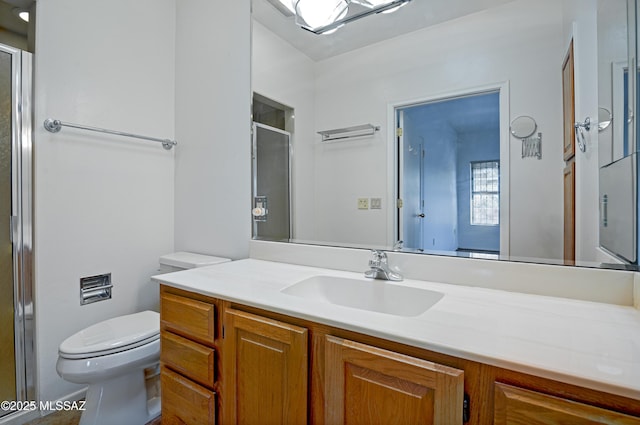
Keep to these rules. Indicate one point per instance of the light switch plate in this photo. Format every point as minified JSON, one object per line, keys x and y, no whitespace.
{"x":376,"y":203}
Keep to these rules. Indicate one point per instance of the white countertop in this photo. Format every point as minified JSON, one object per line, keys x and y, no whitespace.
{"x":593,"y":345}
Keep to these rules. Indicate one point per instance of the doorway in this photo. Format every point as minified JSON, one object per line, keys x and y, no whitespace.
{"x":449,"y":174}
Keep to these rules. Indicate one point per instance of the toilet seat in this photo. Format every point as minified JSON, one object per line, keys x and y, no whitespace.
{"x":112,"y":336}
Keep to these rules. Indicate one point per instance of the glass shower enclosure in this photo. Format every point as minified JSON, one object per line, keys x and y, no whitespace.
{"x":271,"y":155}
{"x":16,"y":270}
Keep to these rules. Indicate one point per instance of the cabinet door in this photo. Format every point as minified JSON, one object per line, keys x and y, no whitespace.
{"x":516,"y":406}
{"x":369,"y":385}
{"x":265,"y":368}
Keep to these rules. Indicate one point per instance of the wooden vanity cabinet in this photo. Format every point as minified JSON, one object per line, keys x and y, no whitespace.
{"x":243,"y":365}
{"x":189,"y":341}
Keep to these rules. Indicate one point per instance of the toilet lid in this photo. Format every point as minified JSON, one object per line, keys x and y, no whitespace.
{"x":113,"y":336}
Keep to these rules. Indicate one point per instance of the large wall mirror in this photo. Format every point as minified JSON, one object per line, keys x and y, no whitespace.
{"x":448,"y":127}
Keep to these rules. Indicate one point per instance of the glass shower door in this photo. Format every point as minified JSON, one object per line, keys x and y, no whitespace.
{"x":7,"y":331}
{"x":271,"y":183}
{"x":16,"y":306}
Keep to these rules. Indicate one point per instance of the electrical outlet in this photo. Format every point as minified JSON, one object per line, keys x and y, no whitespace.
{"x":376,"y":203}
{"x":363,"y":203}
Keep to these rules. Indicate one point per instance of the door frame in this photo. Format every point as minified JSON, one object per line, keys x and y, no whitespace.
{"x":254,"y":177}
{"x":22,"y":222}
{"x":505,"y":151}
{"x":400,"y":139}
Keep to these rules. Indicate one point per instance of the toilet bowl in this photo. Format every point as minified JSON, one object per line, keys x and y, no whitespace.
{"x":110,"y":357}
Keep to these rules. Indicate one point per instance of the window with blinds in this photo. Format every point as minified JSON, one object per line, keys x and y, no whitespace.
{"x":485,"y":193}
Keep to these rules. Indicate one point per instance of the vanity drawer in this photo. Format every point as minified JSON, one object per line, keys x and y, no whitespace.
{"x":184,"y":402}
{"x":189,"y":358}
{"x":188,"y":317}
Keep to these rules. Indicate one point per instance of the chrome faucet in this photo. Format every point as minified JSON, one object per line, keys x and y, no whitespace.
{"x":379,"y":268}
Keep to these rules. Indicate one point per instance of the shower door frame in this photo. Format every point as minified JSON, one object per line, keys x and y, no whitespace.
{"x":254,"y":173}
{"x":22,"y":220}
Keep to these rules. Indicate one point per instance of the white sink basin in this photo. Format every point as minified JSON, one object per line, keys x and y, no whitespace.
{"x":372,"y":295}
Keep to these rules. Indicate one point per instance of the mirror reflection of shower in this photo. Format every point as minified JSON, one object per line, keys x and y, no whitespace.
{"x":271,"y":169}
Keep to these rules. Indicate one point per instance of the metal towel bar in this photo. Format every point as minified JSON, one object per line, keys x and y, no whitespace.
{"x":54,"y":126}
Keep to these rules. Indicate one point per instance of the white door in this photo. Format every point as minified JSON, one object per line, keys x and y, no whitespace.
{"x":411,"y":204}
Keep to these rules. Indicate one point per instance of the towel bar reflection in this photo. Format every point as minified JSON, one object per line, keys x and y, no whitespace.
{"x":54,"y":126}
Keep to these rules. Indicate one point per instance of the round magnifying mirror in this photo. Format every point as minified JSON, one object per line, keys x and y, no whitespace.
{"x":604,"y":118}
{"x":523,"y":126}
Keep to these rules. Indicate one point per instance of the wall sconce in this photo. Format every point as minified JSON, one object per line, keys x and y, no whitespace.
{"x":21,"y":13}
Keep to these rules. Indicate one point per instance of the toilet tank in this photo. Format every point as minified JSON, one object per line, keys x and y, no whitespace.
{"x":187,"y":260}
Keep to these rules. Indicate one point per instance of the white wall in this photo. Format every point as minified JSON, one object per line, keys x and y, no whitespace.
{"x":213,"y":192}
{"x":482,"y":49}
{"x":474,"y":51}
{"x":103,"y":204}
{"x":612,"y":48}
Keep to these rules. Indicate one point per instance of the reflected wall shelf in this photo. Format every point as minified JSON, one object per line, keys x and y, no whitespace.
{"x":349,"y":132}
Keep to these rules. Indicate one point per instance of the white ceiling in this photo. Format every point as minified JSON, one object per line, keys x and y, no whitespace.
{"x":475,"y":113}
{"x":23,"y":4}
{"x":371,"y":29}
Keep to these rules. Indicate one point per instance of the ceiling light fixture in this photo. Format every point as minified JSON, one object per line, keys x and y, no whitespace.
{"x":371,"y":3}
{"x":393,"y":9}
{"x":21,"y":13}
{"x":320,"y":14}
{"x":284,"y":6}
{"x":325,"y":17}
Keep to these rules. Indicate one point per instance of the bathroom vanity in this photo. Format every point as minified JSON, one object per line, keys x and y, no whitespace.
{"x":253,"y":341}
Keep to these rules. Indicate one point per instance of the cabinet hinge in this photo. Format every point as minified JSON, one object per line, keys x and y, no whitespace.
{"x":466,"y":410}
{"x":399,"y":131}
{"x":399,"y":203}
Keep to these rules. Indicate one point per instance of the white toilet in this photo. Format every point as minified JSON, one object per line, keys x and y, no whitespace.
{"x":111,"y":357}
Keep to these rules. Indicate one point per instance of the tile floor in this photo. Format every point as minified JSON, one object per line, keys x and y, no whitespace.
{"x":69,"y":418}
{"x":58,"y":418}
